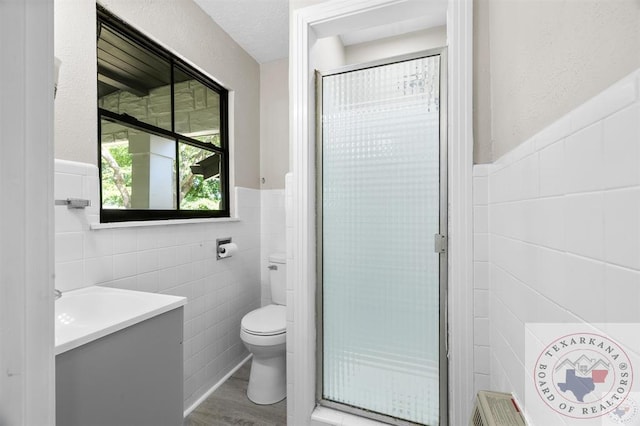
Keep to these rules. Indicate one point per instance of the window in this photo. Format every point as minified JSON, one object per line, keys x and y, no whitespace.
{"x":162,"y":127}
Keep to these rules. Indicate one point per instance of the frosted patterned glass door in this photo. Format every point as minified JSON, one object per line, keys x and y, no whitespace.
{"x":380,"y":207}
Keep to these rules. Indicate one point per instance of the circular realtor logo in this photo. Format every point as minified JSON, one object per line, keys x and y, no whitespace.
{"x":625,"y":413}
{"x":583,"y":375}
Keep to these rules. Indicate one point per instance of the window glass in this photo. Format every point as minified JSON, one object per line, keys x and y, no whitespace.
{"x":197,"y":109}
{"x":133,"y":81}
{"x":199,"y":178}
{"x":138,"y":168}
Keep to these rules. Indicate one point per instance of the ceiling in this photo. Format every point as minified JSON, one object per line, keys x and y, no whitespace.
{"x":261,"y":27}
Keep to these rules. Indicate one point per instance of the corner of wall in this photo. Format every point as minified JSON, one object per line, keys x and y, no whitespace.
{"x":557,"y":236}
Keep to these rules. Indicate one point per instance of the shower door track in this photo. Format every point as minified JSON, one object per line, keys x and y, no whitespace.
{"x":443,"y":367}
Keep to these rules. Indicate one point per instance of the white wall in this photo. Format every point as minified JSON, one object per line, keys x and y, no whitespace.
{"x":171,"y":259}
{"x":274,"y":123}
{"x":546,"y":58}
{"x":183,"y":28}
{"x":482,"y":144}
{"x":563,"y":228}
{"x":395,"y":46}
{"x":76,"y":111}
{"x":329,"y":53}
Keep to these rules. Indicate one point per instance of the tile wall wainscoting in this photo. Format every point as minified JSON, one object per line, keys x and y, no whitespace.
{"x":561,"y":240}
{"x":174,"y":259}
{"x":480,"y":278}
{"x":272,"y":234}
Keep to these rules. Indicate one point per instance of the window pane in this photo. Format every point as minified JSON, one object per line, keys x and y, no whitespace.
{"x":138,"y":169}
{"x":133,"y":80}
{"x":144,"y":91}
{"x":197,"y":109}
{"x":200,"y":187}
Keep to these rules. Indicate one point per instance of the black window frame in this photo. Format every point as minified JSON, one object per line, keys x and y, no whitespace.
{"x":126,"y":215}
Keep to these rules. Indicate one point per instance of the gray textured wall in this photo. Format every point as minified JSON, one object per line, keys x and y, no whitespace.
{"x":541,"y":59}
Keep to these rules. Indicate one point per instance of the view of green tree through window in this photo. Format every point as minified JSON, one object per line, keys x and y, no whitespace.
{"x":163,"y":146}
{"x":199,"y":186}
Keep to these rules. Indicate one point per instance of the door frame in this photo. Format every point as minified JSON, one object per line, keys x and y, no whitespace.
{"x":442,"y":230}
{"x":27,"y":381}
{"x":329,"y":19}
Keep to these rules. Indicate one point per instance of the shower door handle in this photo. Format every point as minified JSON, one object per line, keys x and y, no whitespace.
{"x":440,"y":243}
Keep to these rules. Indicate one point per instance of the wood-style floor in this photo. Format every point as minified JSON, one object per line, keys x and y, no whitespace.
{"x":229,"y":406}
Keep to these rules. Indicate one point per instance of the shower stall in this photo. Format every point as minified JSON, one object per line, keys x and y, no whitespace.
{"x":381,"y":239}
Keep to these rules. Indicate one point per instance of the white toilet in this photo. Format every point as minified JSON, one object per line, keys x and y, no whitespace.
{"x":263,"y":332}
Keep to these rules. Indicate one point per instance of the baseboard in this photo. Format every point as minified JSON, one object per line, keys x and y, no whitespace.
{"x":214,"y":387}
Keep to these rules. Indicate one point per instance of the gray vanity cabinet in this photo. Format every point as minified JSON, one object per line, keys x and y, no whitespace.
{"x":132,"y":377}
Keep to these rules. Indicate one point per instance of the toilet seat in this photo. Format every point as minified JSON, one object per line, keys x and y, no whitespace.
{"x":270,"y":320}
{"x":273,"y":341}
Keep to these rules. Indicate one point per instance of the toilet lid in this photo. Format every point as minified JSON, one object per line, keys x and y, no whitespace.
{"x":266,"y":321}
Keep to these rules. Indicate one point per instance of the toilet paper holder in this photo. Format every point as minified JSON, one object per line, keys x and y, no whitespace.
{"x":219,"y":249}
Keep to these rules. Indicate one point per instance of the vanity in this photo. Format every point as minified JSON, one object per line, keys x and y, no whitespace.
{"x":119,"y":358}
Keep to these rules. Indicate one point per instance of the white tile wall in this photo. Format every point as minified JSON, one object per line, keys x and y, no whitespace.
{"x":563,"y":232}
{"x":171,"y":259}
{"x":583,"y":166}
{"x":481,"y":360}
{"x":272,"y":234}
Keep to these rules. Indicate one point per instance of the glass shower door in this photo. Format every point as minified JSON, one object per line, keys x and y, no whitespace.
{"x":379,"y":208}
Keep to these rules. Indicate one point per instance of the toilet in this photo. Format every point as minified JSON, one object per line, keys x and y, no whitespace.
{"x":263,"y":332}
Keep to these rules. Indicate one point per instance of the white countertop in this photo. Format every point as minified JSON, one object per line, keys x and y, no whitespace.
{"x":90,"y":313}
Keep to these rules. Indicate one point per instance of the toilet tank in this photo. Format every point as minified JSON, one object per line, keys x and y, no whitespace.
{"x":278,"y":278}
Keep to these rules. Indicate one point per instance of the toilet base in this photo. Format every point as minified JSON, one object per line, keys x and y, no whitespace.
{"x":268,"y":382}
